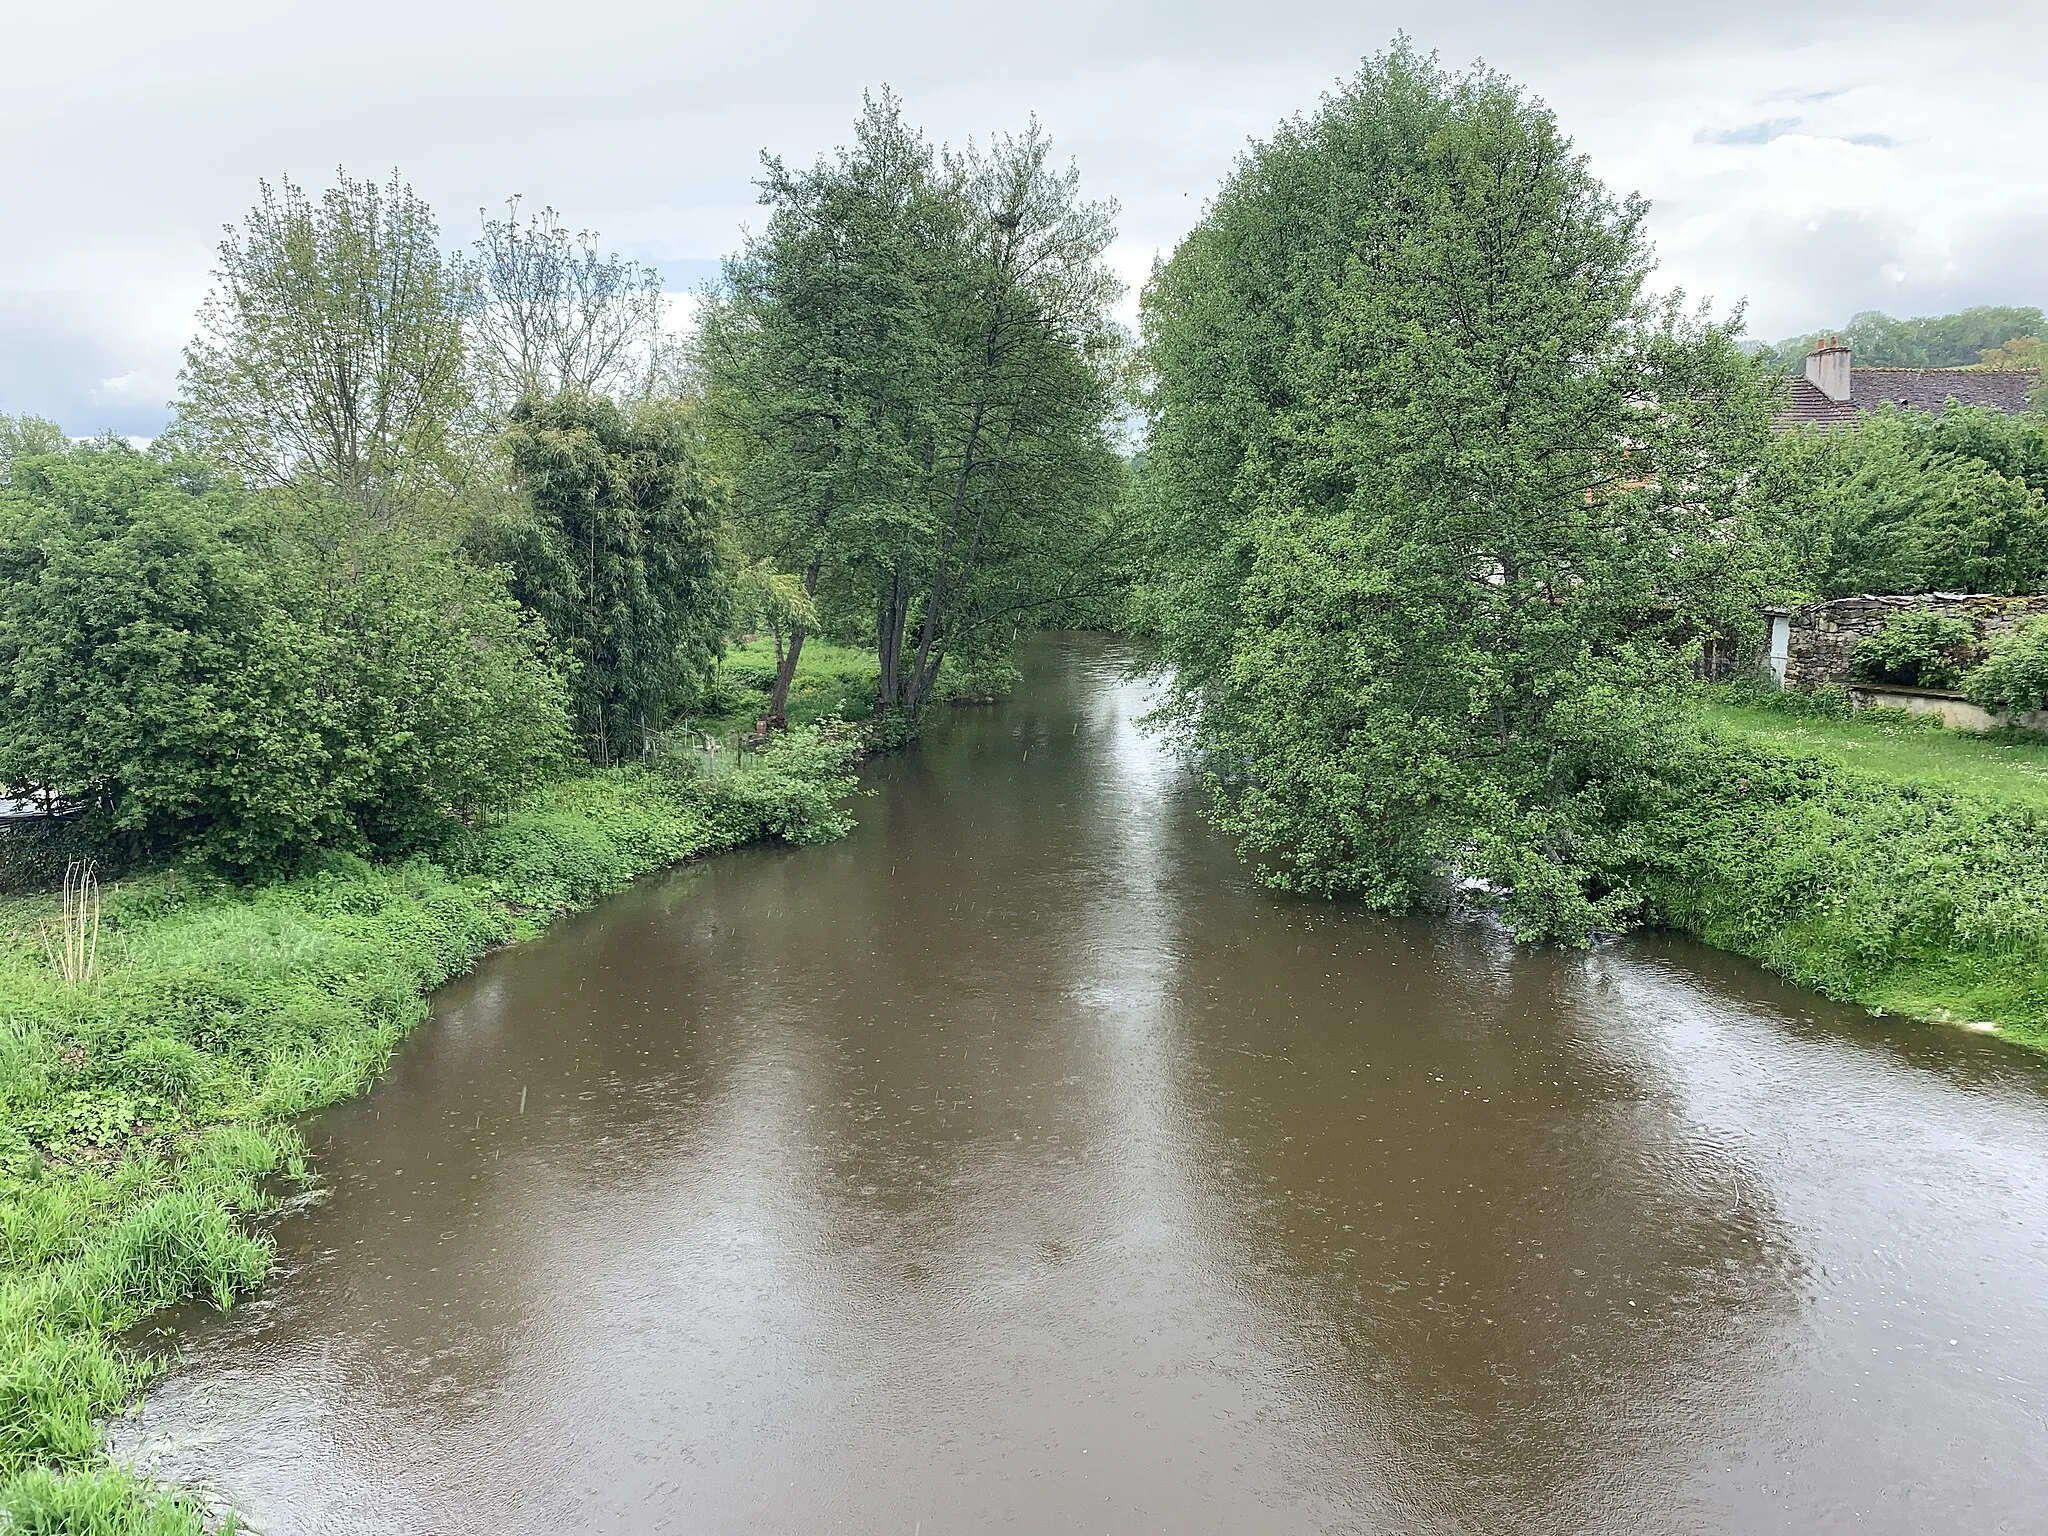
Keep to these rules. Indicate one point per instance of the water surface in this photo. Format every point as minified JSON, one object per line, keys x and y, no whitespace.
{"x":1017,"y":1162}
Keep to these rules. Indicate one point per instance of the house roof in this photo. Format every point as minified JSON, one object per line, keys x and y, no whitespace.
{"x":1917,"y":389}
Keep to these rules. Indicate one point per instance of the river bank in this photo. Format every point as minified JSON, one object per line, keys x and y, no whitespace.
{"x":1018,"y":1158}
{"x":1878,"y":862}
{"x":146,"y":1114}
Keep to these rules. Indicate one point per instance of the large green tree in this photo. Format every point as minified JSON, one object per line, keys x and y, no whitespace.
{"x":1439,"y":504}
{"x":332,"y":350}
{"x":617,"y":549}
{"x":908,"y":383}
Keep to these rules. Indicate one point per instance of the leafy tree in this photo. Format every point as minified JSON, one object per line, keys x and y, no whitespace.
{"x":1908,"y":502}
{"x":331,"y":351}
{"x":908,"y":379}
{"x":1438,"y":502}
{"x":552,"y":315}
{"x":21,"y":436}
{"x":207,"y":673}
{"x":818,"y":362}
{"x":619,"y":554}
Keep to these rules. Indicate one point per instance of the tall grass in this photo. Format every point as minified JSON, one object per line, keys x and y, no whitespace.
{"x":146,"y":1117}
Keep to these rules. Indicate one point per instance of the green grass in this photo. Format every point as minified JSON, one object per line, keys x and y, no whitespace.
{"x":831,"y":680}
{"x":1880,"y":860}
{"x":1902,"y":749}
{"x":145,"y":1116}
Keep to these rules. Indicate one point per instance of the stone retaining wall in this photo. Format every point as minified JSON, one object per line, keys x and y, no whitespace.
{"x":1822,"y":644}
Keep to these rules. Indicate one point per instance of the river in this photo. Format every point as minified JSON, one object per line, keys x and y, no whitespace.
{"x":1018,"y":1162}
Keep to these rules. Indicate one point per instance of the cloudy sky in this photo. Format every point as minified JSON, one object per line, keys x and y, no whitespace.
{"x":1812,"y":159}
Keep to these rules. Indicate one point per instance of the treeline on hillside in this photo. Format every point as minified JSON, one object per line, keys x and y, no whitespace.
{"x":1987,"y":335}
{"x":1440,"y":504}
{"x":428,"y":527}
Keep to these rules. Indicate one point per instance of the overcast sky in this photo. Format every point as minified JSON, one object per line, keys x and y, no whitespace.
{"x":1813,"y":159}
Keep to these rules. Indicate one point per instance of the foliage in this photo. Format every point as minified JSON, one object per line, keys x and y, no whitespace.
{"x":908,"y":379}
{"x":1885,"y":886}
{"x":831,"y":681}
{"x":1916,"y":650}
{"x":1909,"y":502}
{"x":1436,"y":501}
{"x":206,"y":671}
{"x":618,"y":552}
{"x":100,"y":1501}
{"x":553,"y":316}
{"x":141,"y":1117}
{"x":331,"y":349}
{"x":1932,"y":341}
{"x":2014,"y":676}
{"x":24,"y":437}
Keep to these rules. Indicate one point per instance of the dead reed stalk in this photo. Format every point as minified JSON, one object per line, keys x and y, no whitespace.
{"x":74,"y":947}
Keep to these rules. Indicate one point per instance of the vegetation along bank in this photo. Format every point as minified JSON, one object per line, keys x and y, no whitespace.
{"x":1440,"y":505}
{"x":423,"y":620}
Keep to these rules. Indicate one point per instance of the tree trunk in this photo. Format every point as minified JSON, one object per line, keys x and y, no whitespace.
{"x":894,"y":618}
{"x":785,"y":666}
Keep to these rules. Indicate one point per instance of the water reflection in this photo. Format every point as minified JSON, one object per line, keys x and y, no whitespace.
{"x":1018,"y":1160}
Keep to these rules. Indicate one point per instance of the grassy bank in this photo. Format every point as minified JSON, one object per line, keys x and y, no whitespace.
{"x":146,"y":1114}
{"x":831,"y":681}
{"x":1880,"y":861}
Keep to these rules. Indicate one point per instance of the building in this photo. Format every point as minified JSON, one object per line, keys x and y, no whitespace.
{"x":1834,"y":393}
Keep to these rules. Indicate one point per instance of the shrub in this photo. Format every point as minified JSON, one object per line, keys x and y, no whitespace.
{"x":210,"y":673}
{"x":1916,"y":650}
{"x":1863,"y":887}
{"x":2014,"y":677}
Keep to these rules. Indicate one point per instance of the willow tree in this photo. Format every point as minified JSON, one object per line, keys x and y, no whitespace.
{"x":1439,"y":502}
{"x":907,"y":383}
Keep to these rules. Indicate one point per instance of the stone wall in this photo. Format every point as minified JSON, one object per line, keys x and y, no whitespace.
{"x":1822,"y":646}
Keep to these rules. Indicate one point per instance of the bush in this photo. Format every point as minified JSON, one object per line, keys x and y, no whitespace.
{"x":211,"y":673}
{"x":1908,"y":896}
{"x":1916,"y":650}
{"x":2014,"y":678}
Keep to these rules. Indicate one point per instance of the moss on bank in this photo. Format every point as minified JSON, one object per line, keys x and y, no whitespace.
{"x":145,"y":1115}
{"x":1878,"y":862}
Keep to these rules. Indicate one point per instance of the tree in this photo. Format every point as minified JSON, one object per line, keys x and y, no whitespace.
{"x":1931,"y":341}
{"x":1909,"y":502}
{"x":818,"y":359}
{"x":552,"y":315}
{"x":216,"y":673}
{"x":1439,"y":504}
{"x":23,"y":436}
{"x":331,"y":351}
{"x":908,"y":378}
{"x":619,"y":554}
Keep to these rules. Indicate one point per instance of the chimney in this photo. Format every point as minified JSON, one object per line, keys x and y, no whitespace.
{"x":1827,"y":370}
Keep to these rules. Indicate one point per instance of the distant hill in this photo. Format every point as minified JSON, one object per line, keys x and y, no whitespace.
{"x":1932,"y":341}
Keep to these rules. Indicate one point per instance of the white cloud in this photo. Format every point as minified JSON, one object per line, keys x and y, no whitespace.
{"x":1815,"y":162}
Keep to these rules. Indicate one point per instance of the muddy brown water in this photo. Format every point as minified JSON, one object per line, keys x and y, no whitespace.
{"x":1017,"y":1162}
